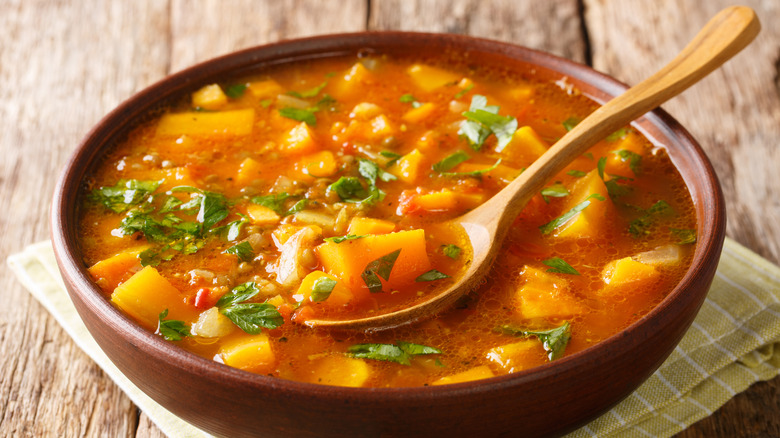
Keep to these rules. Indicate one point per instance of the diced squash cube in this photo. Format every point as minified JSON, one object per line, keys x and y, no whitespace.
{"x":365,"y":111}
{"x":428,"y":141}
{"x":592,"y":220}
{"x":261,"y":215}
{"x":250,"y":353}
{"x":447,"y":200}
{"x":522,"y":93}
{"x":248,"y":171}
{"x":476,"y":373}
{"x":618,"y":164}
{"x":319,"y":165}
{"x":408,"y":167}
{"x":348,"y":85}
{"x":265,"y":89}
{"x":276,"y":300}
{"x":146,"y":294}
{"x":430,"y":78}
{"x":223,"y":123}
{"x":300,"y":140}
{"x":381,"y":127}
{"x":627,"y":274}
{"x":524,"y":148}
{"x":544,"y":295}
{"x":417,"y":115}
{"x":108,"y":273}
{"x":210,"y":97}
{"x":360,"y":226}
{"x":339,"y":296}
{"x":348,"y":260}
{"x":339,"y":371}
{"x":517,"y":356}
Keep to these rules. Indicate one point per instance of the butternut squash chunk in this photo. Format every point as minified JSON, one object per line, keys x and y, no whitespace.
{"x":339,"y":371}
{"x":591,"y":221}
{"x":146,"y":294}
{"x":253,"y":353}
{"x":430,"y":78}
{"x":476,"y":373}
{"x":223,"y":123}
{"x":360,"y":226}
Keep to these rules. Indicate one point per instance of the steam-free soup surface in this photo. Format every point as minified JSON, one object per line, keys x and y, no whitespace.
{"x":322,"y":190}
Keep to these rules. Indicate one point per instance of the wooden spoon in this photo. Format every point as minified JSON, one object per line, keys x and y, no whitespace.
{"x":726,"y":34}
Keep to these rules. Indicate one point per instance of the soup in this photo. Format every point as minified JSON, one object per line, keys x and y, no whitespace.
{"x":322,"y":190}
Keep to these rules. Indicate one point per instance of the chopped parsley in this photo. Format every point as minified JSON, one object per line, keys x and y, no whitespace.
{"x":463,"y":92}
{"x":308,"y":93}
{"x":408,"y":98}
{"x":600,"y":165}
{"x":685,"y":236}
{"x":322,"y":288}
{"x":300,"y":114}
{"x":554,"y":340}
{"x":554,"y":191}
{"x":576,"y":173}
{"x":562,"y":219}
{"x":634,"y":159}
{"x":451,"y":251}
{"x":475,"y":173}
{"x":391,"y":155}
{"x":400,"y":352}
{"x":617,"y":135}
{"x":125,"y":194}
{"x":252,"y":318}
{"x":559,"y":266}
{"x":571,"y":122}
{"x":641,"y":226}
{"x":274,"y":201}
{"x":171,"y":329}
{"x":243,"y":251}
{"x":380,"y":267}
{"x":451,"y":161}
{"x":235,"y":91}
{"x":431,"y":275}
{"x":483,"y":120}
{"x":339,"y":239}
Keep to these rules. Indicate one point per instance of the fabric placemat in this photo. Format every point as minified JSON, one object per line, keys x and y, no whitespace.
{"x":733,"y":343}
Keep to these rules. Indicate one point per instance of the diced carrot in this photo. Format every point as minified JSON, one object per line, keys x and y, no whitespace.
{"x":348,"y":260}
{"x":261,"y":215}
{"x":253,"y":353}
{"x":210,"y":97}
{"x":300,"y":140}
{"x":430,"y":78}
{"x":222,"y":123}
{"x":360,"y":226}
{"x":408,"y":167}
{"x":146,"y":294}
{"x":417,"y":115}
{"x":108,"y":273}
{"x":476,"y":373}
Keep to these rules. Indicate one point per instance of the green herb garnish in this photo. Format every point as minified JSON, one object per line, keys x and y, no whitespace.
{"x":554,"y":340}
{"x":560,"y":220}
{"x":171,"y":329}
{"x":299,"y":114}
{"x":451,"y":251}
{"x":322,"y":288}
{"x":451,"y":161}
{"x":243,"y":251}
{"x":391,"y":155}
{"x":380,"y":267}
{"x":431,"y":275}
{"x":273,"y":201}
{"x":463,"y":92}
{"x":554,"y":191}
{"x":617,"y":135}
{"x":559,"y":266}
{"x":339,"y":239}
{"x":483,"y":120}
{"x":124,"y":194}
{"x":571,"y":122}
{"x":308,"y":93}
{"x":249,"y":317}
{"x":600,"y":165}
{"x":576,"y":173}
{"x":685,"y":236}
{"x":475,"y":173}
{"x":235,"y":91}
{"x":401,"y":352}
{"x":634,"y":159}
{"x":640,"y":226}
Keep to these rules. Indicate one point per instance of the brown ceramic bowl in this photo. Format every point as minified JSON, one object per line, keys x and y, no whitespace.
{"x":548,"y":400}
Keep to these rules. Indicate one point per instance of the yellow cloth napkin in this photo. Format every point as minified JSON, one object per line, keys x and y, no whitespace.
{"x":733,"y":343}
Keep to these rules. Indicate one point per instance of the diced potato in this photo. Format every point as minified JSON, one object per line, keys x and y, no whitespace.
{"x":663,"y":255}
{"x":592,"y":220}
{"x":408,"y":167}
{"x":417,"y":115}
{"x":319,"y":165}
{"x":339,"y":371}
{"x":210,"y":97}
{"x":147,"y":294}
{"x":627,"y":275}
{"x":250,"y":353}
{"x":347,"y":260}
{"x":261,"y":215}
{"x":446,"y":200}
{"x":360,"y":226}
{"x":300,"y":140}
{"x":544,"y":295}
{"x":516,"y":356}
{"x":430,"y":78}
{"x":212,"y":324}
{"x":108,"y":273}
{"x":365,"y":111}
{"x":524,"y":148}
{"x":248,"y":171}
{"x":347,"y":86}
{"x":223,"y":123}
{"x":265,"y":89}
{"x":339,"y":296}
{"x":476,"y":373}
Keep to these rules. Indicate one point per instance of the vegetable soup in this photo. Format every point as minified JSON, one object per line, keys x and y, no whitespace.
{"x":323,"y":189}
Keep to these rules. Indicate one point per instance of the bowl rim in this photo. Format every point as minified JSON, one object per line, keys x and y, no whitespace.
{"x":63,"y":216}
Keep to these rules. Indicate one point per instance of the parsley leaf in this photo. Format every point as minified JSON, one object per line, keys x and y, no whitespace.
{"x":576,"y":173}
{"x":299,"y":114}
{"x":685,"y":235}
{"x":482,"y":120}
{"x":322,"y":288}
{"x":371,"y":171}
{"x":640,"y":226}
{"x":298,"y":206}
{"x":249,"y":317}
{"x":600,"y":165}
{"x":554,"y":340}
{"x":451,"y":161}
{"x":570,"y":123}
{"x":238,"y":294}
{"x":171,"y":329}
{"x":308,"y":93}
{"x":431,"y":275}
{"x":212,"y":207}
{"x":391,"y":155}
{"x":380,"y":267}
{"x":273,"y":201}
{"x":124,"y":194}
{"x":634,"y":159}
{"x":554,"y":191}
{"x":614,"y":189}
{"x":339,"y":239}
{"x":562,"y":219}
{"x":235,"y":91}
{"x":400,"y":353}
{"x":407,"y":98}
{"x":463,"y":92}
{"x":475,"y":173}
{"x":451,"y":251}
{"x":243,"y":251}
{"x":559,"y":266}
{"x":617,"y":135}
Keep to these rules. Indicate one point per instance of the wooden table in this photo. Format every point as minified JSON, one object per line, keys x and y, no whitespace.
{"x":63,"y":65}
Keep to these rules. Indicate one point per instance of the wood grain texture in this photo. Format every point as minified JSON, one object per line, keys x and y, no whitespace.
{"x":65,"y":64}
{"x":744,"y":149}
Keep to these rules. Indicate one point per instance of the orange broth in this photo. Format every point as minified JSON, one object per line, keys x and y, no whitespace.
{"x":242,"y":187}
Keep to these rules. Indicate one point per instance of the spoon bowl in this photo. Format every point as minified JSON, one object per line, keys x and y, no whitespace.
{"x":725,"y":35}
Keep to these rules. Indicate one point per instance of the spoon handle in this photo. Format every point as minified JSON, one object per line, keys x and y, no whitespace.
{"x":724,"y":36}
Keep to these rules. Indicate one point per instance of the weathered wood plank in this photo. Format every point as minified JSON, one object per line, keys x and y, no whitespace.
{"x":62,"y":66}
{"x":735,"y":115}
{"x":552,"y":26}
